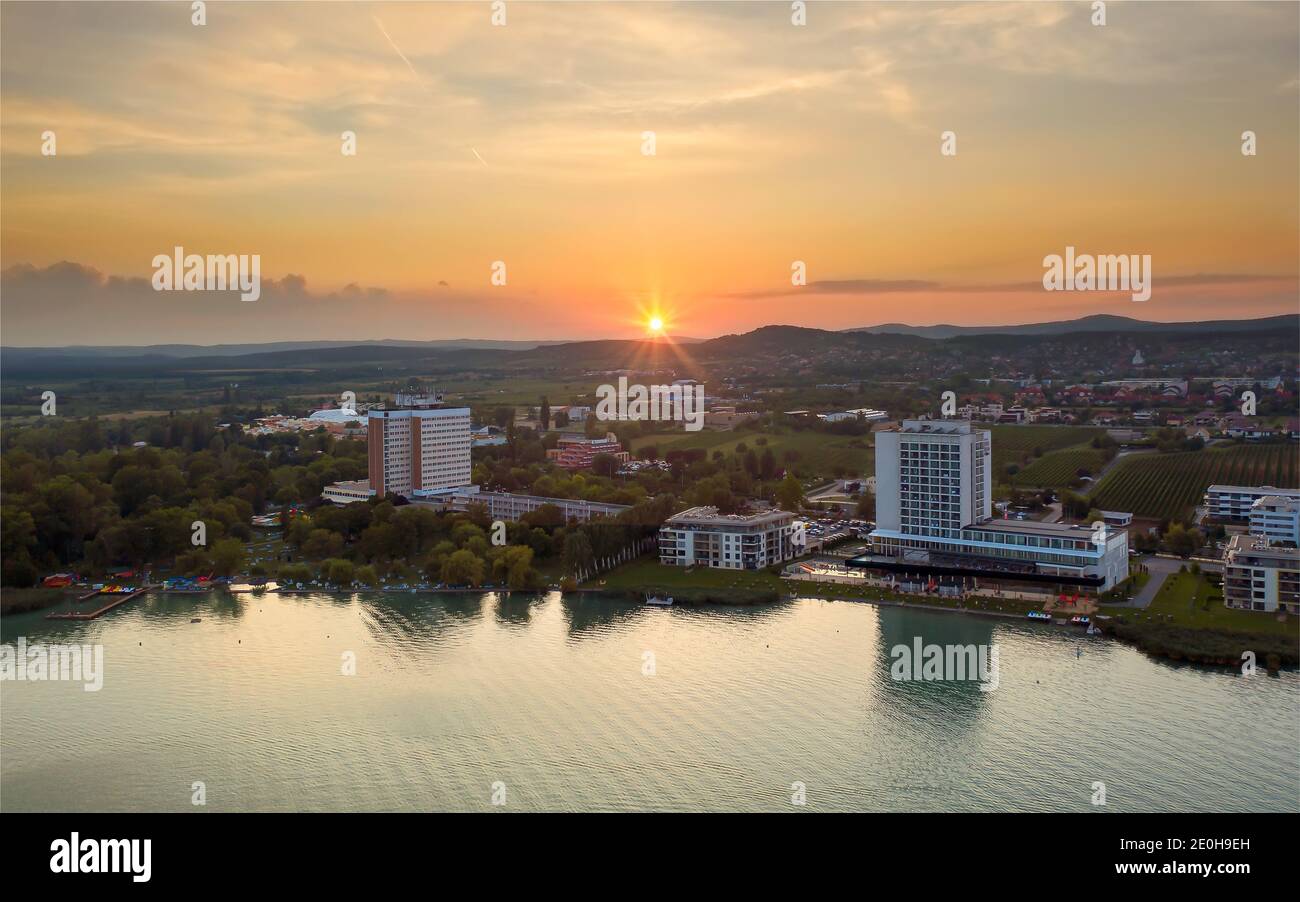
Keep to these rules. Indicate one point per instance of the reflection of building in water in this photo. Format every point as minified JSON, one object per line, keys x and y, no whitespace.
{"x":945,"y":702}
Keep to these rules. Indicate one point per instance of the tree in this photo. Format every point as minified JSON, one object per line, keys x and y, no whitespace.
{"x":789,"y":494}
{"x":577,"y":551}
{"x":544,"y":417}
{"x":339,"y":571}
{"x":463,"y":568}
{"x":866,"y":509}
{"x":228,"y":557}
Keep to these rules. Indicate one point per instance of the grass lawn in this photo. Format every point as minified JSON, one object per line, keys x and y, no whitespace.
{"x":647,"y":573}
{"x":1186,"y":598}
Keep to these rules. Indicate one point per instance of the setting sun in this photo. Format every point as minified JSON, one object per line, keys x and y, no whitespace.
{"x":656,"y":324}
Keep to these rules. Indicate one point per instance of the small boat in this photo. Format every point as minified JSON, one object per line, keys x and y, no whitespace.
{"x":1093,"y":631}
{"x":1039,"y":615}
{"x":1080,"y":620}
{"x":196,"y":620}
{"x":655,"y":599}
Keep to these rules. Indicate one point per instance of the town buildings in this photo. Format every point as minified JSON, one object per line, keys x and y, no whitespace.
{"x":700,"y":536}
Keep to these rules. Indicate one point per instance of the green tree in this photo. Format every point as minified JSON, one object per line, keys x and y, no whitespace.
{"x":463,"y":568}
{"x":228,"y":557}
{"x":789,"y":494}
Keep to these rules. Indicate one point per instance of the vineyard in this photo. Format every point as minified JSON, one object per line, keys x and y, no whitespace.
{"x":1060,"y":468}
{"x":1163,"y":486}
{"x":1016,"y":444}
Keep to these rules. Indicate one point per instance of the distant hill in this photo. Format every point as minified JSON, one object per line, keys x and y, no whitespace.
{"x":238,"y":350}
{"x":1101,"y":322}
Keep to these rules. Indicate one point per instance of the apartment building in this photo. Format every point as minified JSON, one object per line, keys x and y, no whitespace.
{"x":934,"y":488}
{"x":1276,"y":518}
{"x":1234,"y":502}
{"x":703,"y":537}
{"x":1258,"y":576}
{"x":579,"y":452}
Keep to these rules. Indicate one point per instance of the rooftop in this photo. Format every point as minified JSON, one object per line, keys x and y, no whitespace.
{"x":1255,"y":489}
{"x":941,"y":427}
{"x":706,"y":514}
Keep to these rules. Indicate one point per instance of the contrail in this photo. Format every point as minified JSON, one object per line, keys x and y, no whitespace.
{"x":480,"y":159}
{"x":398,"y":51}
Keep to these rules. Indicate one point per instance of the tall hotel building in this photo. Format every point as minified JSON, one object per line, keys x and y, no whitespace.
{"x":934,"y":497}
{"x":418,"y":448}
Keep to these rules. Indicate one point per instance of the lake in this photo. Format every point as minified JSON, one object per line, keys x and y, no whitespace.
{"x":597,"y":704}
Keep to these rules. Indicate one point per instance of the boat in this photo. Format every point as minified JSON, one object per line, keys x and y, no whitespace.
{"x":1080,"y":620}
{"x":196,"y":620}
{"x":1093,"y":631}
{"x":1039,"y":615}
{"x":658,"y":600}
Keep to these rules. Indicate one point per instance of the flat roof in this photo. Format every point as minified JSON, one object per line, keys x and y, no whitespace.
{"x":1033,"y":527}
{"x":708,"y":514}
{"x":1256,"y":490}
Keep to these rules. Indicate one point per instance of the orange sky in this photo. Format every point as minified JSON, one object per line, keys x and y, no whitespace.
{"x":523,"y":143}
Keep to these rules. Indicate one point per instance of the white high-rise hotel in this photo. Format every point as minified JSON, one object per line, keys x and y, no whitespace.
{"x":418,"y":448}
{"x":934,"y":488}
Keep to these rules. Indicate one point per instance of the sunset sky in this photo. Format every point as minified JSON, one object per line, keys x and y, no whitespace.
{"x":523,"y":143}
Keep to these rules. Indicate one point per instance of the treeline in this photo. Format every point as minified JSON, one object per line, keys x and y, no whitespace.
{"x":78,"y":494}
{"x":368,"y":542}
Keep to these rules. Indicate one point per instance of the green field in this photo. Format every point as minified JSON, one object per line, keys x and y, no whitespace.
{"x":1163,"y":486}
{"x":1060,"y":468}
{"x":819,"y":453}
{"x":1016,"y":444}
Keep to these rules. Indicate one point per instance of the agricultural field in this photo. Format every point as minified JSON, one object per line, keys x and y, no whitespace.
{"x":1060,"y":468}
{"x":818,"y":453}
{"x":1163,"y":486}
{"x":1016,"y":444}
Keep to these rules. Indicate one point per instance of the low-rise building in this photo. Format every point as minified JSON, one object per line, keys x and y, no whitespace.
{"x":1261,"y":577}
{"x":1234,"y":502}
{"x":347,"y":492}
{"x":700,"y":536}
{"x":511,"y":506}
{"x":579,"y":452}
{"x":1276,"y":518}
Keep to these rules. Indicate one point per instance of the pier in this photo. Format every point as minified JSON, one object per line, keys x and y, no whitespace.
{"x":118,"y":600}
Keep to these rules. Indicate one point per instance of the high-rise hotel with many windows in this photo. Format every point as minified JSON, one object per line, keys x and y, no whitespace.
{"x":418,"y":448}
{"x":934,"y":506}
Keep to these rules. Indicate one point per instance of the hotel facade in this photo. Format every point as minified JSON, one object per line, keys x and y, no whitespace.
{"x":934,"y":491}
{"x":418,"y":448}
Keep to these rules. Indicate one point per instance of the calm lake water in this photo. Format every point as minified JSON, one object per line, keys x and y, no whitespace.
{"x":453,"y":693}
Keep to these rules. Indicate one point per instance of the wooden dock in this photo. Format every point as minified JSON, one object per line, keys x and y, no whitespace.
{"x":118,"y":600}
